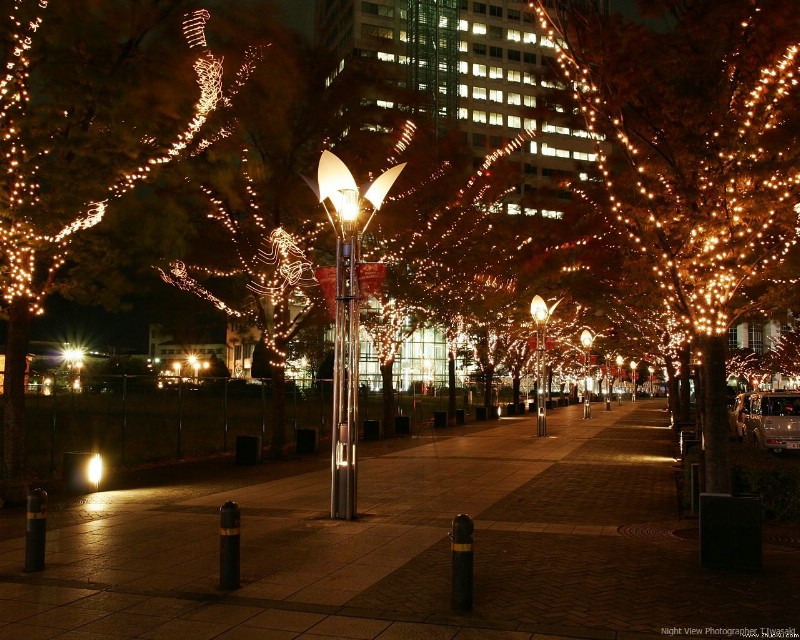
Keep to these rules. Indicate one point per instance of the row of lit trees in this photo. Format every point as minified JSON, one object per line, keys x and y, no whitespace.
{"x":704,"y":173}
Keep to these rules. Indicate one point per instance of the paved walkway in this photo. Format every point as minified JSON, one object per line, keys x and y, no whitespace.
{"x":577,"y":535}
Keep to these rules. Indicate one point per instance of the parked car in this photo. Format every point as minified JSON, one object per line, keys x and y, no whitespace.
{"x":740,"y":411}
{"x":774,"y":420}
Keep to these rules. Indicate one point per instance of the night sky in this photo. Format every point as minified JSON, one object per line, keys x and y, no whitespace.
{"x":298,"y":14}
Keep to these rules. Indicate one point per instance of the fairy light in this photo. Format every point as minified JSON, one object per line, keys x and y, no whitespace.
{"x":32,"y":256}
{"x":705,"y":247}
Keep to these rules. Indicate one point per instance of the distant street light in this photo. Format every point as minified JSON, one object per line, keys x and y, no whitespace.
{"x":586,"y":340}
{"x":608,"y":381}
{"x":337,"y":191}
{"x":620,"y":370}
{"x":652,"y":370}
{"x":541,"y":316}
{"x":634,"y":364}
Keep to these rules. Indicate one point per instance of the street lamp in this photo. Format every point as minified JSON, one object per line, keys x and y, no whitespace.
{"x":586,"y":340}
{"x":634,"y":364}
{"x":608,"y":381}
{"x":620,"y":363}
{"x":652,"y":370}
{"x":541,"y":316}
{"x":337,"y":191}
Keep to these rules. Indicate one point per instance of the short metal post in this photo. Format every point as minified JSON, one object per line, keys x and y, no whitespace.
{"x":35,"y":530}
{"x":229,"y":545}
{"x":461,"y":545}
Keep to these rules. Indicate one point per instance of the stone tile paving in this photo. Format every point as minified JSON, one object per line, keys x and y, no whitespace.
{"x":640,"y":582}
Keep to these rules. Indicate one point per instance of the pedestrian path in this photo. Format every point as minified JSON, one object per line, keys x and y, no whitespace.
{"x":577,"y":535}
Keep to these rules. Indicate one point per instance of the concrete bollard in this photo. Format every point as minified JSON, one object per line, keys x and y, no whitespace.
{"x":461,"y":545}
{"x":229,"y":545}
{"x":35,"y":530}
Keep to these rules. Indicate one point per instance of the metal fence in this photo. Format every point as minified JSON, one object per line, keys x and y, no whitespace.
{"x":139,"y":419}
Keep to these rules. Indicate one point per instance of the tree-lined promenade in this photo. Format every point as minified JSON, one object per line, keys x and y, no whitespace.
{"x":177,"y":139}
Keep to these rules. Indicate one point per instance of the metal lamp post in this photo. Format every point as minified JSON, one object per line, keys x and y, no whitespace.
{"x":652,"y":370}
{"x":634,"y":365}
{"x":608,"y":382}
{"x":541,"y":316}
{"x":344,"y":204}
{"x":620,"y":371}
{"x":586,"y":340}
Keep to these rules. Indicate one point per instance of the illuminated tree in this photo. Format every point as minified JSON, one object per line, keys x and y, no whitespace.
{"x":705,"y":172}
{"x":92,"y":103}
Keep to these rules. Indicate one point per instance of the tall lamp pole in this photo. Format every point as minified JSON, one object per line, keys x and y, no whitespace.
{"x":344,"y":204}
{"x":586,"y":340}
{"x":620,"y":372}
{"x":634,"y":365}
{"x":608,"y":382}
{"x":652,"y":370}
{"x":541,"y":316}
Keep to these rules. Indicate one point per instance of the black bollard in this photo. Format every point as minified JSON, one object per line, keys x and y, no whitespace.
{"x":35,"y":530}
{"x":229,"y":539}
{"x":461,"y":545}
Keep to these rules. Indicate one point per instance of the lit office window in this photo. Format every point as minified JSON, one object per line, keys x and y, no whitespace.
{"x":479,"y":93}
{"x":588,"y":157}
{"x":514,"y":76}
{"x":463,"y":47}
{"x":733,"y":337}
{"x":515,"y":122}
{"x":463,"y":91}
{"x":533,"y":147}
{"x":514,"y":35}
{"x":463,"y":67}
{"x":479,"y":29}
{"x":463,"y":113}
{"x":530,"y":101}
{"x":529,"y":212}
{"x":514,"y":98}
{"x":385,"y":57}
{"x":529,"y":38}
{"x":513,"y":209}
{"x":530,"y":124}
{"x":495,"y":95}
{"x":496,"y":119}
{"x":553,"y":214}
{"x":463,"y":25}
{"x":479,"y":116}
{"x":496,"y":73}
{"x":528,"y":78}
{"x":479,"y":70}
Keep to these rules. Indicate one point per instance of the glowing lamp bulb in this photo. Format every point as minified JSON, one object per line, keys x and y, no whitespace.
{"x":539,"y":309}
{"x":347,"y":205}
{"x":620,"y":361}
{"x":95,"y":469}
{"x":587,"y":338}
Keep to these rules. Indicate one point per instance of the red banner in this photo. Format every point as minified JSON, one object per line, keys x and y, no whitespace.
{"x":326,"y":276}
{"x":371,"y":276}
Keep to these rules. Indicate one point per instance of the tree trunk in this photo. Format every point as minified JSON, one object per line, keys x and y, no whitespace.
{"x":488,"y":377}
{"x":715,"y":410}
{"x":388,"y":399}
{"x":515,"y":385}
{"x":451,"y":388}
{"x":278,"y":410}
{"x":684,"y":414}
{"x":14,"y":485}
{"x":672,"y":392}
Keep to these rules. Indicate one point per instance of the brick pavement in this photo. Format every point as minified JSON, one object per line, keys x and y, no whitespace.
{"x":577,"y":535}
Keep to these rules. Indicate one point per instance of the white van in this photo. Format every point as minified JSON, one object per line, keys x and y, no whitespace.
{"x":774,"y":420}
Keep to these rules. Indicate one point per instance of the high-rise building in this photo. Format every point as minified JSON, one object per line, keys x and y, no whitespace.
{"x":482,"y":67}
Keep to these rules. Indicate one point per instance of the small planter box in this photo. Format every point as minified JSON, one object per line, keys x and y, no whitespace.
{"x":730,"y":531}
{"x":248,"y":450}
